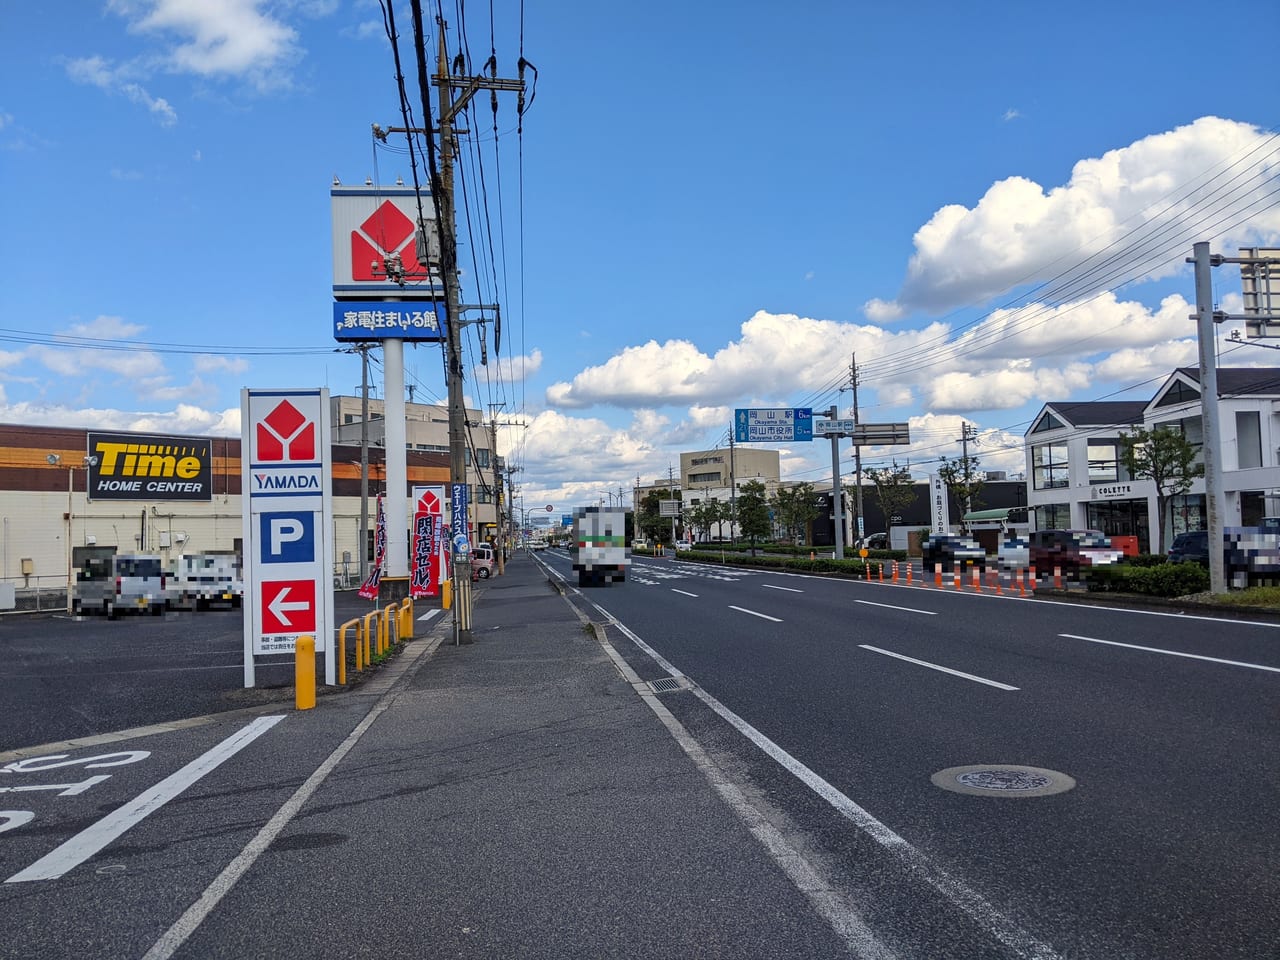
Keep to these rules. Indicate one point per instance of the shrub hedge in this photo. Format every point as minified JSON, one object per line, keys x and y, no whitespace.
{"x":1160,"y":580}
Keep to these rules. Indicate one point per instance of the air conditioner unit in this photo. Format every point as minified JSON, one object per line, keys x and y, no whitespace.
{"x":90,"y":540}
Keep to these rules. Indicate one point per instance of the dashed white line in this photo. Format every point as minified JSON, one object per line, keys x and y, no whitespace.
{"x":429,"y":614}
{"x":934,"y":666}
{"x":1174,"y":653}
{"x":93,"y":838}
{"x":770,"y":586}
{"x":685,"y":592}
{"x":869,"y":603}
{"x":762,"y":616}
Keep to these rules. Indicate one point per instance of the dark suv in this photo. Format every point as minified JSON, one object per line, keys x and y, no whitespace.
{"x":1190,"y":547}
{"x":1070,"y":551}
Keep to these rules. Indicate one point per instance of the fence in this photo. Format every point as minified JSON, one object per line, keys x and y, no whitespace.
{"x":33,"y":594}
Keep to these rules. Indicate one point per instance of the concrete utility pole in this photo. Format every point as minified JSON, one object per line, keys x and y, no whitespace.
{"x":837,"y":493}
{"x":967,"y":433}
{"x":733,"y":492}
{"x":1211,"y":450}
{"x":448,"y":109}
{"x":497,"y":482}
{"x":858,"y":522}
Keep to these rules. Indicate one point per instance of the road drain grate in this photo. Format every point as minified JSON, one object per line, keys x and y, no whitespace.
{"x":1002,"y":780}
{"x":665,"y":685}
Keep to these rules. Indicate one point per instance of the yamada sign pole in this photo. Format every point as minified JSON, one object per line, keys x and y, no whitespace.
{"x":288,"y":516}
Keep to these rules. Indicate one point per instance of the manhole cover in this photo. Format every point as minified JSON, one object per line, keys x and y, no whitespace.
{"x":1002,"y":780}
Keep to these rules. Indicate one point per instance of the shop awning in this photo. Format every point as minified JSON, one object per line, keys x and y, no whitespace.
{"x":1001,"y":513}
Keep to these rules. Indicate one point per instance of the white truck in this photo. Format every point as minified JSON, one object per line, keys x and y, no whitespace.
{"x":600,"y":553}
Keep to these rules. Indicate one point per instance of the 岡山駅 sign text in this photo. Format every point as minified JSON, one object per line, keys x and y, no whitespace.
{"x":780,"y":424}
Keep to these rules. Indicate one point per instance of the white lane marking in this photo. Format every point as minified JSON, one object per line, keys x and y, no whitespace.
{"x":811,"y":879}
{"x":178,"y":934}
{"x":685,"y":592}
{"x":957,"y":891}
{"x":762,"y":616}
{"x":429,"y":614}
{"x":934,"y":666}
{"x":770,"y":586}
{"x":92,"y":839}
{"x":1174,"y":653}
{"x":869,"y":603}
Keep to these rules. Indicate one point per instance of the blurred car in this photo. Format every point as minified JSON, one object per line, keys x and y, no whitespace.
{"x":1190,"y":547}
{"x":949,"y":553}
{"x":1071,"y":551}
{"x":1014,"y":553}
{"x":483,"y":562}
{"x":875,"y":541}
{"x":121,"y":584}
{"x":684,"y":545}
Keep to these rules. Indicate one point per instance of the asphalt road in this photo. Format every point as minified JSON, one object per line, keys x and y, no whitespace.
{"x":1167,"y":844}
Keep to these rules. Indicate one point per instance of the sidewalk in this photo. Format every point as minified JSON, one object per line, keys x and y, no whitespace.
{"x":528,"y":804}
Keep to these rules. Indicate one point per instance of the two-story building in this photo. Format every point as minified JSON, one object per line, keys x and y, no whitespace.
{"x":1077,"y":479}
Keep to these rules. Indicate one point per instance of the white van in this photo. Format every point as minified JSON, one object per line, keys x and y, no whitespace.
{"x":201,"y":579}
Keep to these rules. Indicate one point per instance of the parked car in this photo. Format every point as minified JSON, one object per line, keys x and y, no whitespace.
{"x":948,"y":553}
{"x":483,"y":562}
{"x":1071,"y":551}
{"x":684,"y":545}
{"x":874,"y":541}
{"x":201,"y":579}
{"x":121,"y":583}
{"x":1190,"y":547}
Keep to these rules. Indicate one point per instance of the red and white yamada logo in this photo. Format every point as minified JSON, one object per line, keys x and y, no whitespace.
{"x":387,"y":232}
{"x":286,"y":435}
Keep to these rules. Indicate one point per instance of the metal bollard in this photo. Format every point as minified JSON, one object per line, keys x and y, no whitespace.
{"x":304,"y":673}
{"x":370,"y":629}
{"x":446,"y":595}
{"x":406,"y":619}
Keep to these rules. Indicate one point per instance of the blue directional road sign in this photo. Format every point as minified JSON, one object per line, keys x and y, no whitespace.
{"x":778,"y":424}
{"x":287,"y":537}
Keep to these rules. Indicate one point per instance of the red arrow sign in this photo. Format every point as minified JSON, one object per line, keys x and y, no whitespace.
{"x":289,"y":606}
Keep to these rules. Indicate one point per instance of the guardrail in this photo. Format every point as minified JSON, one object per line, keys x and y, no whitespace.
{"x":374,"y":634}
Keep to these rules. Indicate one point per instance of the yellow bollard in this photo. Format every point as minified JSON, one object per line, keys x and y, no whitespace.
{"x":304,"y":673}
{"x":368,"y":636}
{"x":406,"y":619}
{"x":446,"y":595}
{"x":390,"y":625}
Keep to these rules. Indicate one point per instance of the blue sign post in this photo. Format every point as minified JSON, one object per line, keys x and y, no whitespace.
{"x":356,"y":320}
{"x":773,"y":424}
{"x":458,"y":505}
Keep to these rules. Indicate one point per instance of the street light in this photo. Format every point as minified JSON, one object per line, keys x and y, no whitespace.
{"x":54,"y":460}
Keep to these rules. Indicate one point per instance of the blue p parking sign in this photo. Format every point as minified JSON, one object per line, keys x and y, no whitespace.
{"x":287,"y":537}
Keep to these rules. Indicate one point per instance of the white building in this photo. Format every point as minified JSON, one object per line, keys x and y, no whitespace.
{"x":1076,"y":479}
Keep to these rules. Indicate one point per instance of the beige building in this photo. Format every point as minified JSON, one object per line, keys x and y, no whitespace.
{"x":427,"y":431}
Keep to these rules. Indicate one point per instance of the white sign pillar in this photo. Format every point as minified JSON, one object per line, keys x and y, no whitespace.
{"x":286,"y":472}
{"x":939,"y":504}
{"x":397,"y":501}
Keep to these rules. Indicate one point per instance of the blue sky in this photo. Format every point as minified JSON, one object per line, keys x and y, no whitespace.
{"x":721,"y":201}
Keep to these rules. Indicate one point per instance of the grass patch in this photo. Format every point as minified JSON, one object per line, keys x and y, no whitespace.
{"x":1253,"y":597}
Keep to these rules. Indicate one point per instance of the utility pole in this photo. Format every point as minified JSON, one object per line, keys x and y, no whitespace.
{"x":1210,"y":449}
{"x":858,"y":522}
{"x":497,"y":482}
{"x":837,"y":494}
{"x":967,"y":433}
{"x":448,"y":109}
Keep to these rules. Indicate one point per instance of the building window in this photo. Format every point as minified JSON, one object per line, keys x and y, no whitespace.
{"x":482,"y":459}
{"x":1178,"y":393}
{"x":1104,"y":461}
{"x":1049,"y":466}
{"x":483,"y":495}
{"x":1053,"y":516}
{"x":1188,"y":513}
{"x":348,"y":418}
{"x":1248,"y":439}
{"x":704,"y":478}
{"x":1048,"y":422}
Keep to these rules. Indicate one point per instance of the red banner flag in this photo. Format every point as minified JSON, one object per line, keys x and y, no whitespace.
{"x":369,"y":589}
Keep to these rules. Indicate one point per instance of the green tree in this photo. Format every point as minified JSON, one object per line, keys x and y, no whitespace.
{"x":894,"y":490}
{"x":753,"y":512}
{"x":795,"y":508}
{"x":701,"y":516}
{"x":964,"y":480}
{"x":648,"y":522}
{"x":1164,"y":456}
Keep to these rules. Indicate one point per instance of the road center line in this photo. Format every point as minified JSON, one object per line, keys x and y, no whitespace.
{"x":934,"y":666}
{"x":92,"y":839}
{"x":685,"y":592}
{"x":762,"y":616}
{"x":770,"y":586}
{"x":1174,"y":653}
{"x":869,"y":603}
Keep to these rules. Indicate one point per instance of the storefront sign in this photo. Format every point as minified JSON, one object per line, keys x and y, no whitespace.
{"x":136,"y":466}
{"x":1112,"y":491}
